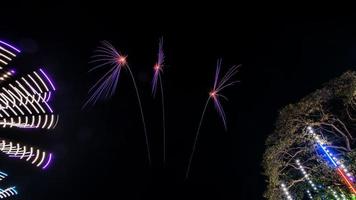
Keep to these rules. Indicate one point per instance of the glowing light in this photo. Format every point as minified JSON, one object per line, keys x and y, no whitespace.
{"x":157,"y":70}
{"x":346,"y":180}
{"x":342,"y":171}
{"x":105,"y":87}
{"x":48,"y":79}
{"x":286,"y":192}
{"x":328,"y":155}
{"x":9,"y":45}
{"x":212,"y":94}
{"x":7,"y":52}
{"x":219,"y":85}
{"x":122,"y":60}
{"x":306,"y":176}
{"x":34,"y":156}
{"x":8,"y":192}
{"x":25,"y":103}
{"x":309,"y":194}
{"x":2,"y":175}
{"x":48,"y":161}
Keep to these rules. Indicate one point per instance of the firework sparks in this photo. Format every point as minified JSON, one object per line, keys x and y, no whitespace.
{"x":158,"y":69}
{"x":108,"y":57}
{"x":219,"y":85}
{"x":215,"y":95}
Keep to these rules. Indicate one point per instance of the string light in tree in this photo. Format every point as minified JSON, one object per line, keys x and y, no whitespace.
{"x":334,"y":193}
{"x":336,"y":164}
{"x":309,"y":194}
{"x":343,"y":196}
{"x":286,"y":192}
{"x":306,"y":176}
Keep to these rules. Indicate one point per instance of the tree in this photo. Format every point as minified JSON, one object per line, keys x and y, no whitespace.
{"x":331,"y":111}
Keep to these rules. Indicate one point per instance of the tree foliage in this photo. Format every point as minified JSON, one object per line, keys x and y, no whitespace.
{"x":331,"y":111}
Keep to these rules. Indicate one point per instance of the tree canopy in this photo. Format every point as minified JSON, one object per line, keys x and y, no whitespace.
{"x":331,"y":112}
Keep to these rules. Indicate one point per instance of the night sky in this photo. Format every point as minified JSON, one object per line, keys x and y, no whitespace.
{"x":100,"y":151}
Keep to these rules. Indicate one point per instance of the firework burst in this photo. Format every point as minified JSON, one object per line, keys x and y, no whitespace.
{"x":158,"y":70}
{"x":108,"y":57}
{"x":215,"y":95}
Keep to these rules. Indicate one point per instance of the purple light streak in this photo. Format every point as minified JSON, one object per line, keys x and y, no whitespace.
{"x":219,"y":85}
{"x":9,"y":45}
{"x":48,"y":162}
{"x":158,"y":68}
{"x":49,"y":80}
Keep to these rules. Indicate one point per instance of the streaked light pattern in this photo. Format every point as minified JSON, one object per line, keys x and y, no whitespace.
{"x":7,"y":53}
{"x":3,"y":175}
{"x":219,"y":85}
{"x":24,"y":103}
{"x":107,"y":56}
{"x":158,"y":67}
{"x":32,"y":155}
{"x":215,"y":95}
{"x":105,"y":87}
{"x":8,"y":192}
{"x":158,"y":70}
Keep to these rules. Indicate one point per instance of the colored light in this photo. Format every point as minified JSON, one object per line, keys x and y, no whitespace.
{"x":8,"y":192}
{"x":337,"y":164}
{"x":49,"y":80}
{"x":8,"y":45}
{"x":328,"y":155}
{"x":48,"y":161}
{"x":30,"y":154}
{"x":309,"y":194}
{"x":346,"y":180}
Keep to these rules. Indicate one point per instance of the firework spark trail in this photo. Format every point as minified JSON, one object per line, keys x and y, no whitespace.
{"x":157,"y":79}
{"x":106,"y":86}
{"x":142,"y":115}
{"x":196,"y":139}
{"x":214,"y":94}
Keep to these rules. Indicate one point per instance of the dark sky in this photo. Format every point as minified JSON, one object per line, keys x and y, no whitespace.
{"x":100,"y":152}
